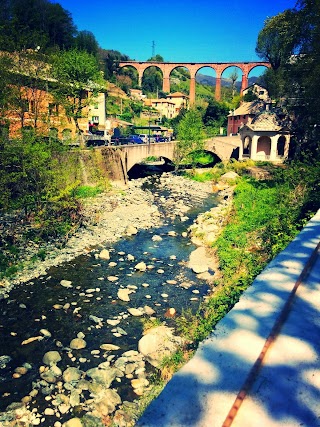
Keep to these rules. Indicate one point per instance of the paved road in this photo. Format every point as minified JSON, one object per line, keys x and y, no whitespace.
{"x":286,"y":392}
{"x":261,"y":365}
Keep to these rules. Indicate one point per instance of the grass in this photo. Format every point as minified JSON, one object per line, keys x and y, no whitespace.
{"x":265,"y":217}
{"x":85,"y":191}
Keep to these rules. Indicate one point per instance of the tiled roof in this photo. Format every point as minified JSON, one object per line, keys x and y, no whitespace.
{"x":177,"y":95}
{"x":252,"y":107}
{"x":266,"y":121}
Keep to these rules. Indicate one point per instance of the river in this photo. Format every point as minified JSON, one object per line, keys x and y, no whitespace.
{"x":79,"y":300}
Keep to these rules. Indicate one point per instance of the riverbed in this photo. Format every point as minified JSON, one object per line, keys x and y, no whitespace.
{"x":70,"y":327}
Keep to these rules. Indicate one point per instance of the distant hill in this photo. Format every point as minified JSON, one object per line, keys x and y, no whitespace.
{"x":211,"y":81}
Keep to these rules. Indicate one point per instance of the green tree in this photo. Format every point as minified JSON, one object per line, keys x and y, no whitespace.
{"x":215,"y":117}
{"x":85,"y":40}
{"x":28,"y":87}
{"x":190,"y":137}
{"x":291,"y":41}
{"x":78,"y":82}
{"x":26,"y":24}
{"x":152,"y":80}
{"x":110,"y":63}
{"x":278,"y":38}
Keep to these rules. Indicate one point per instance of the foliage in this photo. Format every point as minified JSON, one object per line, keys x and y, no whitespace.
{"x":110,"y":63}
{"x":170,"y":364}
{"x":77,"y":74}
{"x":277,"y":40}
{"x":190,"y":135}
{"x":152,"y":80}
{"x":85,"y":191}
{"x":291,"y":41}
{"x":85,"y":40}
{"x":215,"y":117}
{"x":26,"y":24}
{"x":265,"y":217}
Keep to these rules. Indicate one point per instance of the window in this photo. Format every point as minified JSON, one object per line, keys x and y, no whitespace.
{"x":24,"y":105}
{"x":32,"y":107}
{"x":96,"y":106}
{"x":53,"y":109}
{"x":95,"y":119}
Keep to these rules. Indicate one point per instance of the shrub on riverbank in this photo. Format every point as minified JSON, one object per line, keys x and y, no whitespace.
{"x":265,"y":217}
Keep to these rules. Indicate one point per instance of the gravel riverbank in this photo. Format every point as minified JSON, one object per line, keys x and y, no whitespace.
{"x":110,"y":216}
{"x":66,"y":374}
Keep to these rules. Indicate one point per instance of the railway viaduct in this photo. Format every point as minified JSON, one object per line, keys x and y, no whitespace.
{"x":219,"y":67}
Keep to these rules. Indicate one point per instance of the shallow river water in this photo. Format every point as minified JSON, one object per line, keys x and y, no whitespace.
{"x":57,"y":314}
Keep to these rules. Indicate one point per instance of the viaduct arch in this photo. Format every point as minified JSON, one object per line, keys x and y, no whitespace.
{"x":219,"y":67}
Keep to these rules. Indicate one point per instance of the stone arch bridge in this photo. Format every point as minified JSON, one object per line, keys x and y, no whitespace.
{"x":119,"y":160}
{"x":219,"y":67}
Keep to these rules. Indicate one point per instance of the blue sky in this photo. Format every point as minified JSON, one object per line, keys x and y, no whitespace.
{"x":182,"y":30}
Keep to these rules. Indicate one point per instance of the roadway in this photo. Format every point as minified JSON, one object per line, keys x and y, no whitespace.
{"x":260,"y":367}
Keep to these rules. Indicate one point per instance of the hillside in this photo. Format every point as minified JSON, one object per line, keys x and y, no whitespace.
{"x":211,"y":81}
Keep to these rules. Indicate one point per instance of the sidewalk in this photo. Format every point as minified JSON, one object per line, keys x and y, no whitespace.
{"x":246,"y":374}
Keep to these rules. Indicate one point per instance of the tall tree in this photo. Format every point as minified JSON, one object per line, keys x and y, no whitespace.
{"x":291,"y":41}
{"x":85,"y":40}
{"x":278,"y":38}
{"x":26,"y":24}
{"x":78,"y":82}
{"x":190,"y":136}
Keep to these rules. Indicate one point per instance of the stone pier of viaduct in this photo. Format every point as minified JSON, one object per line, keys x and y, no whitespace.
{"x":219,"y":67}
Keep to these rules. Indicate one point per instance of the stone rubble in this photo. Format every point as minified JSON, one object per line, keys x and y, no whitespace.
{"x":107,"y":220}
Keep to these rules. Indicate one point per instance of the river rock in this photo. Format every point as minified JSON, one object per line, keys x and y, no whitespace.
{"x":45,"y":333}
{"x":77,"y":344}
{"x":73,"y":422}
{"x":156,"y":238}
{"x":66,"y":283}
{"x":51,"y":358}
{"x":71,"y":374}
{"x":229,"y":176}
{"x":105,"y":377}
{"x":131,"y":230}
{"x":113,"y":322}
{"x":148,"y":310}
{"x":109,"y":347}
{"x":104,"y":254}
{"x":135,"y":312}
{"x":123,"y":294}
{"x":107,"y":404}
{"x":158,"y":343}
{"x":112,"y":278}
{"x":4,"y":360}
{"x":141,"y":266}
{"x":200,"y":261}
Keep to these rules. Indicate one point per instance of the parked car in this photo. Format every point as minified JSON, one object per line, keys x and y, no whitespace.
{"x":145,"y":137}
{"x":95,"y":142}
{"x":135,"y":139}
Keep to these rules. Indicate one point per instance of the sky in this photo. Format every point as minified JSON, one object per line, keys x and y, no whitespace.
{"x":178,"y":30}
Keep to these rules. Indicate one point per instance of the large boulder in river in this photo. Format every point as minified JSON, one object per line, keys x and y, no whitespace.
{"x":200,"y":261}
{"x":51,"y":358}
{"x":104,"y":254}
{"x":158,"y":343}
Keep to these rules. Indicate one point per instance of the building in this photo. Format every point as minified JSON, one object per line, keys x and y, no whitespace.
{"x":33,"y":105}
{"x":266,"y":137}
{"x":256,"y":90}
{"x":163,"y":106}
{"x":180,"y":100}
{"x":243,"y":115}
